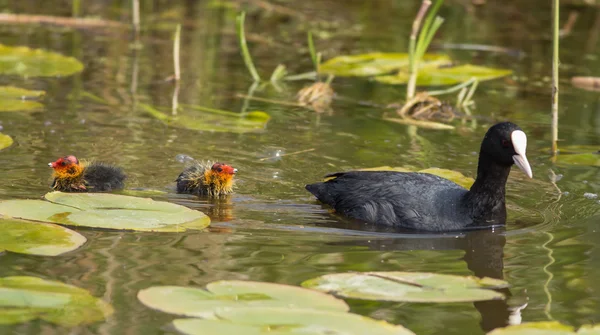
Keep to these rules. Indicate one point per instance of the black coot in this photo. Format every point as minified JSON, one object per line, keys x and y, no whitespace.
{"x":426,"y":202}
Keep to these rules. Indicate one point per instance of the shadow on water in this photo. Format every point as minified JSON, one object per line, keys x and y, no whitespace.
{"x":484,"y":256}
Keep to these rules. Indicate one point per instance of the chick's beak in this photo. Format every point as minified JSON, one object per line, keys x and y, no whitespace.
{"x":235,"y":171}
{"x":519,"y":141}
{"x":51,"y":165}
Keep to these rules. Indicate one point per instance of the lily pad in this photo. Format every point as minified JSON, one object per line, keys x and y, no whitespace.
{"x":222,"y":295}
{"x":378,"y":63}
{"x":5,"y":141}
{"x":109,"y":211}
{"x":37,"y":238}
{"x":408,"y":286}
{"x":12,"y":99}
{"x":212,"y":120}
{"x":392,"y":68}
{"x":447,"y":75}
{"x":12,"y":92}
{"x":25,"y":298}
{"x":282,"y":321}
{"x":27,"y":62}
{"x":545,"y":328}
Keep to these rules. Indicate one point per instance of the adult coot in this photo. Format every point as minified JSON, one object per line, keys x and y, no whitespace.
{"x":205,"y":178}
{"x":426,"y":202}
{"x":72,"y":176}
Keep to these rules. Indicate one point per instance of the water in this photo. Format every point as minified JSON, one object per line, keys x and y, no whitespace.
{"x":271,"y":229}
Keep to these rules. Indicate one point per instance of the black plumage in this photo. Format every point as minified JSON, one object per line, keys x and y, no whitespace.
{"x":427,"y":202}
{"x":102,"y":177}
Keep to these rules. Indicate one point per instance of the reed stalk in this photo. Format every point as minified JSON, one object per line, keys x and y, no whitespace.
{"x":136,"y":17}
{"x":244,"y":47}
{"x":420,"y":38}
{"x":555,"y":63}
{"x":176,"y":48}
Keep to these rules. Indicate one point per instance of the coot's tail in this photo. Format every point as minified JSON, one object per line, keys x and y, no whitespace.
{"x":319,"y":190}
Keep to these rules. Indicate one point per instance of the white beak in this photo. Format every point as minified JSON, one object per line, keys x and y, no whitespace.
{"x":519,"y":141}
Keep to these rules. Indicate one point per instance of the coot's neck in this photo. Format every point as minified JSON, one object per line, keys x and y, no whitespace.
{"x":485,"y":201}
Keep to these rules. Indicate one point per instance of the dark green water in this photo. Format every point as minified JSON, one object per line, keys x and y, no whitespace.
{"x":275,"y":231}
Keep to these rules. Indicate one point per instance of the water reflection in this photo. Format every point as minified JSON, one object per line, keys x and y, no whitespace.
{"x":484,"y":256}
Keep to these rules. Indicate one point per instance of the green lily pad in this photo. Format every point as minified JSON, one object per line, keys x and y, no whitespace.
{"x":447,"y":75}
{"x":109,"y":211}
{"x":19,"y":105}
{"x":545,"y":328}
{"x":212,"y":120}
{"x":37,"y":238}
{"x":12,"y":92}
{"x":221,"y":295}
{"x":378,"y":63}
{"x":5,"y":141}
{"x":392,"y":68}
{"x":12,"y":99}
{"x":25,"y":298}
{"x":27,"y":62}
{"x":282,"y":321}
{"x":408,"y":286}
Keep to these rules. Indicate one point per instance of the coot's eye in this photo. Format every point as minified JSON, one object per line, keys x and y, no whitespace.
{"x":505,"y":143}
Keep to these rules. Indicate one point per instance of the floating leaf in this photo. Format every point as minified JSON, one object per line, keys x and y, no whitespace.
{"x":585,"y":155}
{"x":26,"y":298}
{"x":407,"y":286}
{"x":19,"y":105}
{"x":378,"y":63}
{"x":386,"y":168}
{"x":446,"y":75}
{"x":454,"y":176}
{"x":392,"y":68}
{"x":110,"y":211}
{"x":212,"y":120}
{"x":282,"y":321}
{"x":420,"y":123}
{"x":546,"y":328}
{"x":233,"y":294}
{"x":37,"y":238}
{"x":13,"y":99}
{"x":28,"y":62}
{"x":5,"y":141}
{"x":12,"y":92}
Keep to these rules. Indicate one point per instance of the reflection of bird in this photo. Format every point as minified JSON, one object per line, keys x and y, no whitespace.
{"x":204,"y":179}
{"x":72,"y":176}
{"x":427,"y":202}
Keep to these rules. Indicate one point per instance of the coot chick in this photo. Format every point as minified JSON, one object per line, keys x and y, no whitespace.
{"x":202,"y":178}
{"x":423,"y":201}
{"x":70,"y":175}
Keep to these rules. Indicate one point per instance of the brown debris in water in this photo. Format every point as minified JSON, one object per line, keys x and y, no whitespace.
{"x":318,"y":96}
{"x":425,"y":107}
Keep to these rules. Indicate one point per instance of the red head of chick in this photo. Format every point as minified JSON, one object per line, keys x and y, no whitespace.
{"x":72,"y":176}
{"x":206,"y":179}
